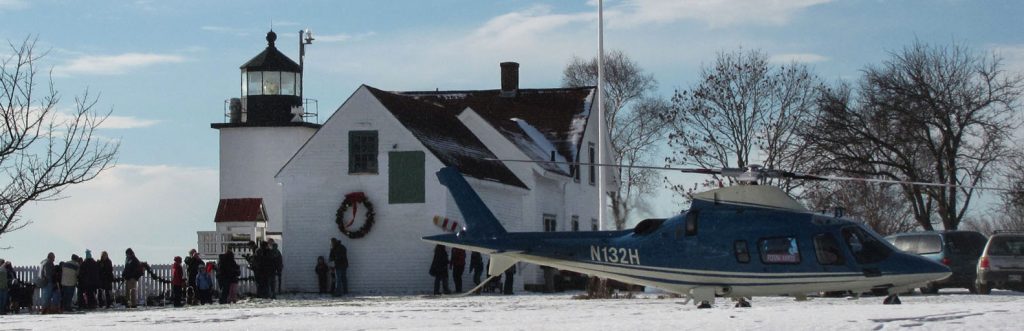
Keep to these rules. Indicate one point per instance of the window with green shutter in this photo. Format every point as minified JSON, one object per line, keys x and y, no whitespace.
{"x":406,"y":177}
{"x":362,"y":152}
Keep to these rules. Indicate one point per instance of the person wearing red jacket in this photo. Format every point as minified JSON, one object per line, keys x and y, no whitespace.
{"x":177,"y":282}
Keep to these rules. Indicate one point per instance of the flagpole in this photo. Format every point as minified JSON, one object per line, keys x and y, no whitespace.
{"x":600,"y":114}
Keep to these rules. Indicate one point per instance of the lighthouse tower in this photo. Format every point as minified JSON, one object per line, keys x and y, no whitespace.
{"x":263,"y":128}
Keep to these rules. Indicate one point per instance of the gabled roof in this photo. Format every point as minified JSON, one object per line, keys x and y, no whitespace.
{"x":559,"y":115}
{"x":240,"y":210}
{"x":441,"y":131}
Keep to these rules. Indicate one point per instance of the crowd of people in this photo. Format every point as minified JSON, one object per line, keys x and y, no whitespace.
{"x":442,"y":267}
{"x":87,"y":284}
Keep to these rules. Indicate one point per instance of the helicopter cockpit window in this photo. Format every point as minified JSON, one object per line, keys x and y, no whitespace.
{"x":826,"y":249}
{"x":782,"y":250}
{"x":742,"y":251}
{"x":866,"y":248}
{"x":691,"y":222}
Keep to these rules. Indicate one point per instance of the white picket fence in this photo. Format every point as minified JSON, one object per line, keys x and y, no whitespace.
{"x":148,"y":285}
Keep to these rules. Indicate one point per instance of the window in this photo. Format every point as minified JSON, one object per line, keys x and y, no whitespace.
{"x":782,"y":250}
{"x":406,"y":182}
{"x":549,"y":223}
{"x":288,"y":83}
{"x":272,"y":82}
{"x":362,"y":152}
{"x":593,"y":225}
{"x":593,"y":168}
{"x":742,"y":251}
{"x":575,"y":223}
{"x":826,"y":249}
{"x":865,"y":247}
{"x":691,"y":222}
{"x":255,"y":83}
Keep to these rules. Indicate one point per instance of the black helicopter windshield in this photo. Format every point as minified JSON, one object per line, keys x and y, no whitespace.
{"x":866,"y":247}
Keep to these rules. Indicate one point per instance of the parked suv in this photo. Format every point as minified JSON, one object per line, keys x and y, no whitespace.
{"x":958,"y":250}
{"x":1002,"y":263}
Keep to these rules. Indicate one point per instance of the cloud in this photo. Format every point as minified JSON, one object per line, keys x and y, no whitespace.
{"x":6,"y":5}
{"x":342,"y":37}
{"x":112,"y":121}
{"x":127,"y":122}
{"x":715,"y":13}
{"x":114,"y":64}
{"x":517,"y":29}
{"x":797,"y":57}
{"x":155,"y":209}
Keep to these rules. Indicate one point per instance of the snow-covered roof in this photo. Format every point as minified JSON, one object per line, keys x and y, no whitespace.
{"x":440,"y":130}
{"x":538,"y":121}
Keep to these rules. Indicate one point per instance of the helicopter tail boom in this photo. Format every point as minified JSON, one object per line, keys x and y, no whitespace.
{"x":480,"y":222}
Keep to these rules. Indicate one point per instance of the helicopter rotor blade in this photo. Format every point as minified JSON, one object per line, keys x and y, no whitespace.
{"x":686,"y":170}
{"x":904,"y":182}
{"x":754,"y":172}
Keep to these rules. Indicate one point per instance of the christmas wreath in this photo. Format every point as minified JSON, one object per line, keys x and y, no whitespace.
{"x":352,"y":200}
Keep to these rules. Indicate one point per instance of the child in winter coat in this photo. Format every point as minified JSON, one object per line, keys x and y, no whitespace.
{"x":177,"y":282}
{"x":322,"y":274}
{"x":204,"y":284}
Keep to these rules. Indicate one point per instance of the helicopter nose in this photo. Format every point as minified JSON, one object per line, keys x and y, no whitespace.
{"x":929,"y":270}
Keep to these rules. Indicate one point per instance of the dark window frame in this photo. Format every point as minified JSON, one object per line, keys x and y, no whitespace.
{"x":362,"y":157}
{"x":762,"y":253}
{"x":744,"y":255}
{"x":819,"y":251}
{"x":550,"y":222}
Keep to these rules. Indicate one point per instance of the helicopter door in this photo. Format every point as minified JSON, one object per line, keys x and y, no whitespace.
{"x":867,"y":249}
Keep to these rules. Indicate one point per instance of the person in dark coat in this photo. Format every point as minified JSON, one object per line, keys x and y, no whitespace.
{"x":193,"y":263}
{"x":263,"y":268}
{"x":106,"y":282}
{"x":458,"y":266}
{"x":339,"y":256}
{"x":322,"y":274}
{"x":88,"y":282}
{"x":131,"y":274}
{"x":476,"y":266}
{"x":277,"y":262}
{"x":227,"y":273}
{"x":509,"y":274}
{"x":439,"y":269}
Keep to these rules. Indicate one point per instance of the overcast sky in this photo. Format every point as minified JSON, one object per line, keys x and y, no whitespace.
{"x":166,"y":67}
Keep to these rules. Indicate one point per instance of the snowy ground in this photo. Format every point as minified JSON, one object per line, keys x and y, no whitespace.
{"x":952,"y":310}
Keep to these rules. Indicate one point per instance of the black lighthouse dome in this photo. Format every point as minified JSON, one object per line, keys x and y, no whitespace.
{"x":271,"y":89}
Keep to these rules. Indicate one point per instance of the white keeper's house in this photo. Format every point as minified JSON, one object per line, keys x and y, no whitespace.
{"x":388,"y":145}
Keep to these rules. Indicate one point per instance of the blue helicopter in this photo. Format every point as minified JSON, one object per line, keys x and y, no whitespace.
{"x":734,"y":242}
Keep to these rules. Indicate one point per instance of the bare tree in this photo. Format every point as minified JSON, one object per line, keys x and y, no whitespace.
{"x":635,"y":128}
{"x":744,"y":110}
{"x":43,"y":150}
{"x":880,"y":207}
{"x":942,"y":114}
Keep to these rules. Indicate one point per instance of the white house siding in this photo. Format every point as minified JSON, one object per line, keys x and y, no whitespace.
{"x":249,"y":159}
{"x":391,"y":258}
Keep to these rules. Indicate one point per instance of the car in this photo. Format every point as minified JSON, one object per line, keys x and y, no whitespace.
{"x":1001,"y":265}
{"x":959,"y":250}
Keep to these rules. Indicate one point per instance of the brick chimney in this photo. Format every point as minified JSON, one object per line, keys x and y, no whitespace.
{"x":509,"y":79}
